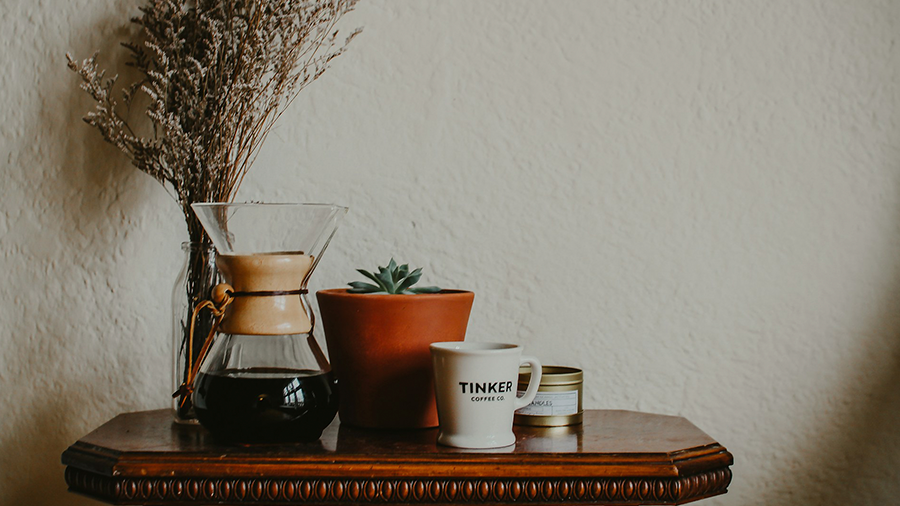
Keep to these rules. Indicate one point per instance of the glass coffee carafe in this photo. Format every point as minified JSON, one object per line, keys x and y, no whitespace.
{"x":262,"y":376}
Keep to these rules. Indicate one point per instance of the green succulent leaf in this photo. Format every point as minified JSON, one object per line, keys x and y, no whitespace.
{"x":403,"y":271}
{"x":386,"y":280}
{"x":374,"y":278}
{"x":363,"y":287}
{"x":392,"y":279}
{"x":409,"y":280}
{"x":425,"y":289}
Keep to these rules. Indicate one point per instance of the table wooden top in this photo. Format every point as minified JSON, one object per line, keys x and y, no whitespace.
{"x":614,"y":457}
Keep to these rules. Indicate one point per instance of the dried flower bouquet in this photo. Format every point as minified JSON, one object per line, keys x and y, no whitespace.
{"x":215,"y":75}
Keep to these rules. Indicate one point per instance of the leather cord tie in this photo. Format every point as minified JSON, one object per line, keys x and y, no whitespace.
{"x":222,"y":296}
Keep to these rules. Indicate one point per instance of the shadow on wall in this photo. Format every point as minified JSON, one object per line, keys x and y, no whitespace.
{"x":61,"y":369}
{"x":862,"y":466}
{"x":36,"y":446}
{"x":857,"y":461}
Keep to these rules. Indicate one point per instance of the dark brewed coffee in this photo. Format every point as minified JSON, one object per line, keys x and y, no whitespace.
{"x":265,"y":404}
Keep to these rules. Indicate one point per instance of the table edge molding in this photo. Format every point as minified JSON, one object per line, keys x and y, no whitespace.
{"x":421,"y":490}
{"x":546,"y":466}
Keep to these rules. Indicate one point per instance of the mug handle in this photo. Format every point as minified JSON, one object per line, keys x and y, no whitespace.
{"x":533,"y":385}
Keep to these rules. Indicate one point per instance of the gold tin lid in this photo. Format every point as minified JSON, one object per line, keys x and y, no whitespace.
{"x":558,"y":402}
{"x":553,"y":375}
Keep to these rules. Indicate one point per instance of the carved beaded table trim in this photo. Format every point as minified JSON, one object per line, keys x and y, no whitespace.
{"x":615,"y":457}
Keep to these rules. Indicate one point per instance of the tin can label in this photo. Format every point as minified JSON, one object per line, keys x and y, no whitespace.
{"x":551,"y":404}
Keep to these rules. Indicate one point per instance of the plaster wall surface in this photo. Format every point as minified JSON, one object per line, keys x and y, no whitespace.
{"x":696,"y":202}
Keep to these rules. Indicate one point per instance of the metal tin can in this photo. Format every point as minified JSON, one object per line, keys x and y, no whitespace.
{"x":558,"y":401}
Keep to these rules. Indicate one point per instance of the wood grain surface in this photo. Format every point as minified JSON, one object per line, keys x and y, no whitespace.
{"x":614,"y":457}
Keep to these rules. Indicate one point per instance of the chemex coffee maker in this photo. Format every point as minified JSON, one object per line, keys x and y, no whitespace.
{"x":261,"y":376}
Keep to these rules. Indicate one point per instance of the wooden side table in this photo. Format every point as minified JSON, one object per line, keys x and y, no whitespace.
{"x":615,"y":457}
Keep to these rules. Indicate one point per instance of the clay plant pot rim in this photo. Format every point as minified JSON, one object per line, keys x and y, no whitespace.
{"x":344,"y":293}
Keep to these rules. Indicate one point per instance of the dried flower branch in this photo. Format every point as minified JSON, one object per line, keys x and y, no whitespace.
{"x":216,"y":75}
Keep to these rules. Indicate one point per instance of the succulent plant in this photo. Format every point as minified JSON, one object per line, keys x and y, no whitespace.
{"x":393,"y":279}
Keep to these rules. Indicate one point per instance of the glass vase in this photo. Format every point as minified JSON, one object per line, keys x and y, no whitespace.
{"x":195,"y":281}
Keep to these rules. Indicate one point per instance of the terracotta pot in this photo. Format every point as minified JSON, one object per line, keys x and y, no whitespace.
{"x":378,"y":347}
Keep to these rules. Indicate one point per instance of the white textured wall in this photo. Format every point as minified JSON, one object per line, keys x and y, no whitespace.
{"x":698,"y":202}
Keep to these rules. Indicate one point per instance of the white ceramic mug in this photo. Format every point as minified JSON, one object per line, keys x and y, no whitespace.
{"x":475,"y":387}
